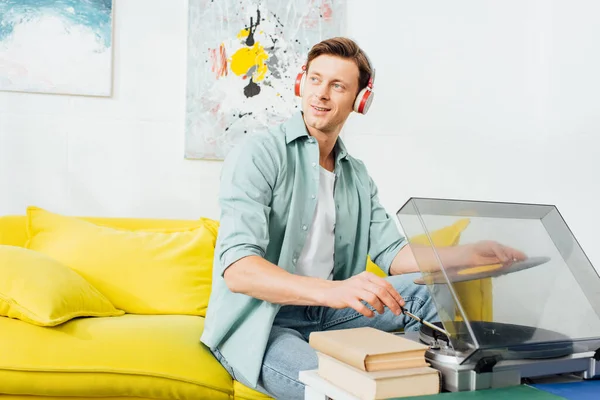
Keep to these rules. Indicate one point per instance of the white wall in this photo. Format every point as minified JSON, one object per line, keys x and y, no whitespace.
{"x":475,"y":99}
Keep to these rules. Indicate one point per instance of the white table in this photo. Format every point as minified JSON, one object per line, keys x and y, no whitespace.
{"x":318,"y":388}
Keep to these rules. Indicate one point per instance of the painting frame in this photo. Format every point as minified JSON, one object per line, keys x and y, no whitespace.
{"x":62,"y":47}
{"x":242,"y":60}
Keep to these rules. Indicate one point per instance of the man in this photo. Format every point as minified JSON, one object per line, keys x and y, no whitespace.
{"x":299,"y":216}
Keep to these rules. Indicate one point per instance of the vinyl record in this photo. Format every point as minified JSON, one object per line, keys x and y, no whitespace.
{"x":482,"y":271}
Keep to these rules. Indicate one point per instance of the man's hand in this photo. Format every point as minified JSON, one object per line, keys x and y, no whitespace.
{"x":490,"y":252}
{"x":366,"y":286}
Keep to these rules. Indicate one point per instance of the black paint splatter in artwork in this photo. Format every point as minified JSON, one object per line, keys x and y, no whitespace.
{"x":277,"y":18}
{"x":252,"y":89}
{"x":252,"y":29}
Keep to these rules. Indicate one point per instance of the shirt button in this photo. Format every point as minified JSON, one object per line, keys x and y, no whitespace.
{"x":314,"y":164}
{"x":304,"y":227}
{"x":294,"y":260}
{"x":313,"y":197}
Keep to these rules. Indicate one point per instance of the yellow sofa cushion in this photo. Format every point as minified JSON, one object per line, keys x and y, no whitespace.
{"x":151,"y":271}
{"x":131,"y":355}
{"x":242,"y":392}
{"x":443,"y":237}
{"x":39,"y":290}
{"x":12,"y":230}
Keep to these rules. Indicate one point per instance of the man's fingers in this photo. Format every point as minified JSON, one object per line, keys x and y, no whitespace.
{"x":500,"y":253}
{"x":385,"y":297}
{"x":373,"y":299}
{"x":517,"y":255}
{"x":361,"y":308}
{"x":386,"y":293}
{"x":388,"y":287}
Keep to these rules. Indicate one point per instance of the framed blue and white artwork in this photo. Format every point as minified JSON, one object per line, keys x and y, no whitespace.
{"x":56,"y":46}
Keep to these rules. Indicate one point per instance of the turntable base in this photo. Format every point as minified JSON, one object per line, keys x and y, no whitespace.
{"x":532,"y":353}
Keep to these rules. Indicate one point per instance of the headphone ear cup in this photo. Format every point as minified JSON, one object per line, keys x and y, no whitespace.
{"x":363,"y":101}
{"x":299,"y":84}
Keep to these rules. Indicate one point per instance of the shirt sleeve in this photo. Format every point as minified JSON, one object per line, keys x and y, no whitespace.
{"x":247,"y":181}
{"x":385,"y":240}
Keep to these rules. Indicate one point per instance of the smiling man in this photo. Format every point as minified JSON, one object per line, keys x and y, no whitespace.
{"x":299,"y":216}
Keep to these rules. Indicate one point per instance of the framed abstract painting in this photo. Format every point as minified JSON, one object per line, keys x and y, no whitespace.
{"x":56,"y":46}
{"x":243,"y":57}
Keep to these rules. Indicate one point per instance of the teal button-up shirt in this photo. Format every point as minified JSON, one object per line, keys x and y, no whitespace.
{"x":269,"y":187}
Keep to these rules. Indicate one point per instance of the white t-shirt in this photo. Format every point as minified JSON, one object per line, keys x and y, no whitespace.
{"x":316,"y":258}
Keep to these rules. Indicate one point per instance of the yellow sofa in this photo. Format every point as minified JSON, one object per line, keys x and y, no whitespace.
{"x":143,"y":356}
{"x":143,"y":350}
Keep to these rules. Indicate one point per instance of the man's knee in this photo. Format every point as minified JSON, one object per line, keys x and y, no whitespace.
{"x":287,"y":354}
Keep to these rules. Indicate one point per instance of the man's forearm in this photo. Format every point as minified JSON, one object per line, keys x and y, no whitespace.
{"x":405,"y":261}
{"x":254,"y":276}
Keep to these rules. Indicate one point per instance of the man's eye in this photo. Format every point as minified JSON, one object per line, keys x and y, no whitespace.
{"x":337,"y":86}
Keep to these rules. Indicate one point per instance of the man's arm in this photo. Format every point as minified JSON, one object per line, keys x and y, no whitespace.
{"x":390,"y":250}
{"x":247,"y":182}
{"x":254,"y":276}
{"x":404,"y":262}
{"x":480,"y":253}
{"x":257,"y":277}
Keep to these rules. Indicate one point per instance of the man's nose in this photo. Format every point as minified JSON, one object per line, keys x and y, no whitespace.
{"x":322,"y":92}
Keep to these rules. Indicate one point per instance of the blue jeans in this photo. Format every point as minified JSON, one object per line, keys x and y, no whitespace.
{"x":288,"y":351}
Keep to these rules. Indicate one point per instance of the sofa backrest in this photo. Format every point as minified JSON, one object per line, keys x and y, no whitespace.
{"x":13,"y":229}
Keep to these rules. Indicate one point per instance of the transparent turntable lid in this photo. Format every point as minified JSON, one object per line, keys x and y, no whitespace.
{"x":546,"y":305}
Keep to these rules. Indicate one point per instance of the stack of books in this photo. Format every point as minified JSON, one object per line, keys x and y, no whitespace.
{"x":372,"y":364}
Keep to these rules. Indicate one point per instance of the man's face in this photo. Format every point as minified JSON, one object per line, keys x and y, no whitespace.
{"x":329,"y":92}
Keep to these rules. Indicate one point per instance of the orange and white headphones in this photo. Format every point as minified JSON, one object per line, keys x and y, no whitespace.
{"x":363,"y":99}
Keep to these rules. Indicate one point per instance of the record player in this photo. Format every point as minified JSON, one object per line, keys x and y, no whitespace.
{"x":531,"y":318}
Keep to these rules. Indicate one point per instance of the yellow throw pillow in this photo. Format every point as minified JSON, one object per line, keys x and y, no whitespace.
{"x":447,"y":236}
{"x":37,"y":289}
{"x":154,"y":271}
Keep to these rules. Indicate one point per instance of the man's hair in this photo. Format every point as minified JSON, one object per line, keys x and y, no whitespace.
{"x":345,"y":48}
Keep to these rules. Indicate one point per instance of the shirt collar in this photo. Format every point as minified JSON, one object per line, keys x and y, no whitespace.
{"x":295,"y":128}
{"x":340,"y":150}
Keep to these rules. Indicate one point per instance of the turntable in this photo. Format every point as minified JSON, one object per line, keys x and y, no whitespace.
{"x":531,"y":318}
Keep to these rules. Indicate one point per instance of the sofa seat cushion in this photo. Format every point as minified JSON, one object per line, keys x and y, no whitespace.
{"x":159,"y":357}
{"x":243,"y":392}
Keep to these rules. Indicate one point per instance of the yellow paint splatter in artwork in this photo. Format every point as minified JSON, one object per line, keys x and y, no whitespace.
{"x":247,"y":57}
{"x":477,"y":270}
